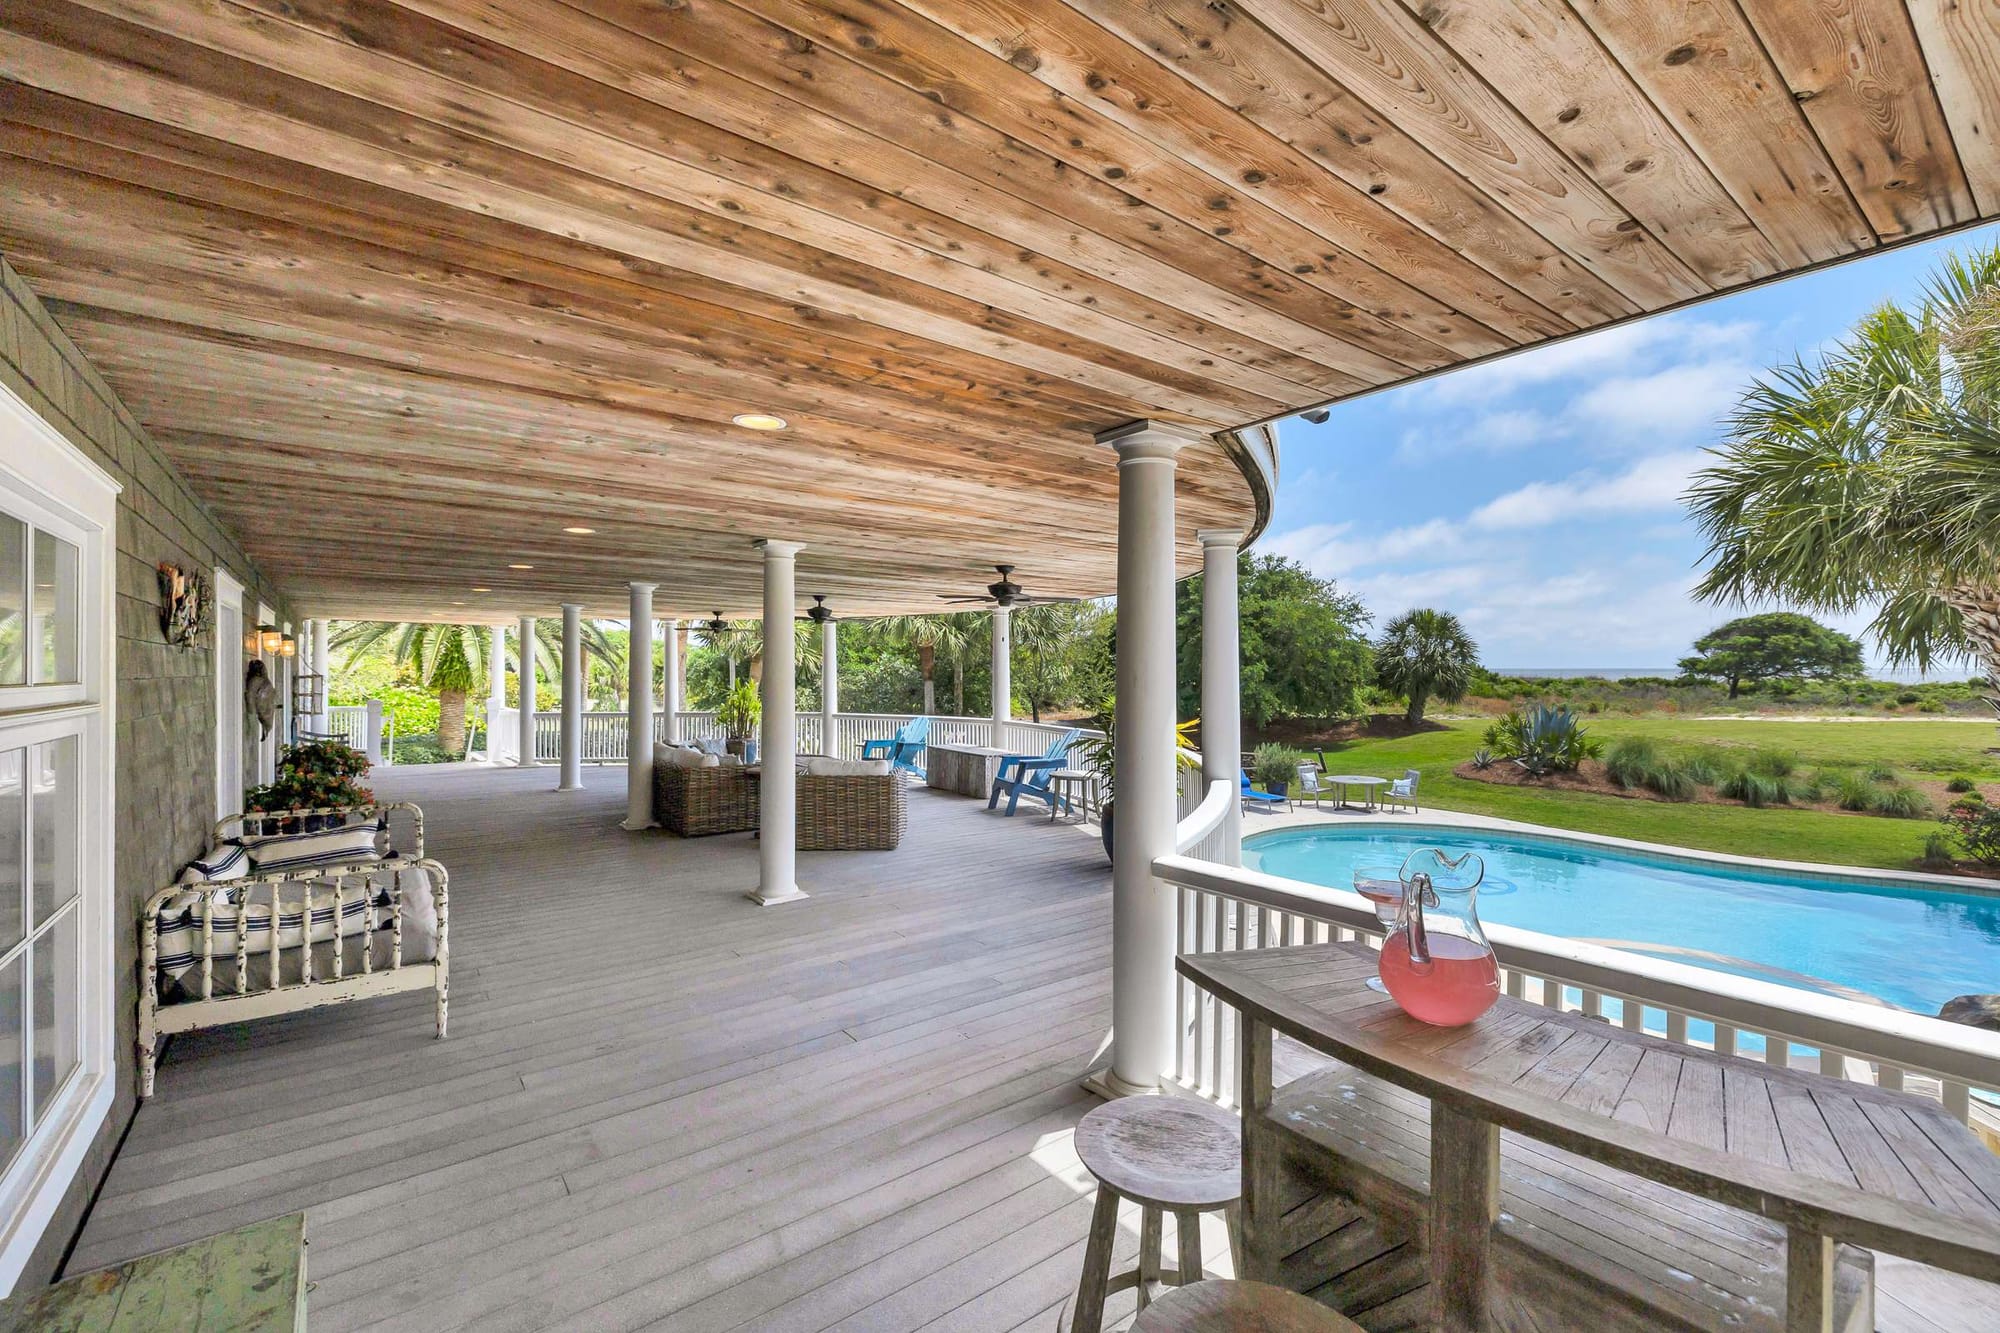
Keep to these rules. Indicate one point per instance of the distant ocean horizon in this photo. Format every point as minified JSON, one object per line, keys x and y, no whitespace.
{"x":1901,"y":676}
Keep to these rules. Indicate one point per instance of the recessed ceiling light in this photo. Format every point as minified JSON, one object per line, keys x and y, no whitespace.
{"x":520,"y":566}
{"x":581,"y":532}
{"x":482,"y":590}
{"x":758,"y":421}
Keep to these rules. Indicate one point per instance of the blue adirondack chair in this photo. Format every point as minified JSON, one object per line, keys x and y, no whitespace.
{"x":1028,"y":775}
{"x":1250,"y":793}
{"x":905,"y":749}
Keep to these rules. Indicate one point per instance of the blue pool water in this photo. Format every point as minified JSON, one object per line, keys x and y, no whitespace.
{"x":1913,"y":947}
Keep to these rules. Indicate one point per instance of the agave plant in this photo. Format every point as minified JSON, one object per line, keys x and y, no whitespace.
{"x":1546,"y":738}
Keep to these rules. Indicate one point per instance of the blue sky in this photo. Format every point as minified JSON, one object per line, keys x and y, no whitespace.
{"x":1537,"y":496}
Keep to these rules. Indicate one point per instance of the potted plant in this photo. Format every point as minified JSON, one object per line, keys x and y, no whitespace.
{"x":738,"y":717}
{"x":1273,"y":767}
{"x":1098,"y":756}
{"x":314,"y":775}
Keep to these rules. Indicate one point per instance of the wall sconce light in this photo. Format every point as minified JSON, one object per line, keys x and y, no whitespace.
{"x":288,"y":646}
{"x":269,"y":638}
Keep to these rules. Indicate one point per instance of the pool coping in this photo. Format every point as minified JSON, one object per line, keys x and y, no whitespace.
{"x":1306,"y":818}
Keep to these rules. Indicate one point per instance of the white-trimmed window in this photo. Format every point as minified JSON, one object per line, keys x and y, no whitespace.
{"x":58,"y":517}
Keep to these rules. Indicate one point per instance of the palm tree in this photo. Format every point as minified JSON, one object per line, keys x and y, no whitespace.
{"x":1425,"y":653}
{"x":450,"y":659}
{"x":1872,"y":477}
{"x":947,"y":634}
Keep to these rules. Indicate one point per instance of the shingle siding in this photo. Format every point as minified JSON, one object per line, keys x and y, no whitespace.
{"x":166,"y":697}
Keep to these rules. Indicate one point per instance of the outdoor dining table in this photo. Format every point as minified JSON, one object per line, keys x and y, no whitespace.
{"x":1829,"y":1160}
{"x":1367,"y":784}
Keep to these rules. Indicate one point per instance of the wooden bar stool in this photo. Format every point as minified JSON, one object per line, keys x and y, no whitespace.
{"x":1236,"y":1307}
{"x":1168,"y":1155}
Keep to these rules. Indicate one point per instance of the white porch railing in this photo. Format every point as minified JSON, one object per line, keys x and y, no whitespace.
{"x":350,"y":723}
{"x":604,"y":733}
{"x":1222,"y":908}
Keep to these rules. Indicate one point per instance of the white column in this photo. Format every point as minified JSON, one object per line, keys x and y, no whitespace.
{"x":571,"y":774}
{"x":639,"y":713}
{"x":371,"y":730}
{"x":670,"y":686}
{"x":524,"y":636}
{"x":829,"y":685}
{"x":777,"y":846}
{"x":496,"y":688}
{"x":1003,"y":674}
{"x":1142,"y":908}
{"x":322,"y":631}
{"x":1221,"y":682}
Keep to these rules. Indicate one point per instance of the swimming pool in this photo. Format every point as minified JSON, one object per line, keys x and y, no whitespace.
{"x":1912,"y":946}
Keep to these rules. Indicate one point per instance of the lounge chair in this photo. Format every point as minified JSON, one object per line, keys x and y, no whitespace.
{"x":904,"y":750}
{"x":1249,"y":793}
{"x":1029,"y":777}
{"x":1058,"y":749}
{"x":1403,"y":791}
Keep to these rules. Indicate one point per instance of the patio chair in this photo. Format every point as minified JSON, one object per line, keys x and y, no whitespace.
{"x":1030,"y":778}
{"x":1058,"y":749}
{"x":1309,"y":788}
{"x":1249,"y":793}
{"x":904,"y":750}
{"x":1403,"y":791}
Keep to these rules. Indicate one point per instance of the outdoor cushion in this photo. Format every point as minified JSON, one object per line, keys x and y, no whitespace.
{"x":224,"y":861}
{"x":679,"y":757}
{"x":825,"y":766}
{"x":715,"y":745}
{"x":326,"y":847}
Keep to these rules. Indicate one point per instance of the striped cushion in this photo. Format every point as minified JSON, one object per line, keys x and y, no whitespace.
{"x":224,"y":861}
{"x":326,"y":847}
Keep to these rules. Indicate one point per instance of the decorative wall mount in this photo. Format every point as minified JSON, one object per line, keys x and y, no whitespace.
{"x":186,"y":610}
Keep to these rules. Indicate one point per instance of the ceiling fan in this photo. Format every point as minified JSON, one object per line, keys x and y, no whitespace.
{"x":819,"y":612}
{"x":715,"y":628}
{"x":1005,"y":593}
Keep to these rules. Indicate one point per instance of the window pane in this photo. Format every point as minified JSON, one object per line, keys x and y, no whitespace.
{"x":57,"y":581}
{"x":13,"y":835}
{"x":13,"y":600}
{"x":53,"y":797}
{"x":55,"y":1009}
{"x":11,"y":1039}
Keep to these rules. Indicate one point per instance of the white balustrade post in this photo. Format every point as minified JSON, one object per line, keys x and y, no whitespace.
{"x":639,"y":712}
{"x":1221,"y":682}
{"x":1003,"y":674}
{"x":496,"y":688}
{"x":371,"y":730}
{"x":571,"y":773}
{"x":524,"y":646}
{"x":670,"y":685}
{"x":321,"y":655}
{"x":1142,"y":908}
{"x":829,"y":685}
{"x":777,"y":847}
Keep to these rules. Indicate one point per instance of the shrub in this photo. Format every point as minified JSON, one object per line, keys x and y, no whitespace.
{"x":1753,"y":789}
{"x":1939,"y":854}
{"x":314,"y":775}
{"x":1901,"y":802}
{"x":1967,"y":805}
{"x":1977,"y":831}
{"x":1670,"y":779}
{"x":421,"y":750}
{"x":1805,"y":787}
{"x":1542,"y":739}
{"x":1628,"y":760}
{"x":1961,"y":783}
{"x":1273,"y":766}
{"x":1879,"y":772}
{"x":1707,"y":764}
{"x":1482,"y":758}
{"x":1909,"y":697}
{"x":1854,"y":791}
{"x":1772,"y":763}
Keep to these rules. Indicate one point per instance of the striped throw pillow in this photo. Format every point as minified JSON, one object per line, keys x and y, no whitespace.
{"x":224,"y":861}
{"x":325,"y":847}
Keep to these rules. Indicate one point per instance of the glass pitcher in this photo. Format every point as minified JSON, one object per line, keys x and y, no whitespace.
{"x":1436,"y":964}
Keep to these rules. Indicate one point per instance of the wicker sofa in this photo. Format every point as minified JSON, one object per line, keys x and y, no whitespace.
{"x":837,"y":812}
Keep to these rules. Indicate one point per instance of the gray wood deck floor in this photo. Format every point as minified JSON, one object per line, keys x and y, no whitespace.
{"x":662,"y":1106}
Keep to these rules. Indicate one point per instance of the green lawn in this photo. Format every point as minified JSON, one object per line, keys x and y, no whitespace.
{"x":1917,"y":750}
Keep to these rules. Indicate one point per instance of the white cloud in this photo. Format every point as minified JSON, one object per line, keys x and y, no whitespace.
{"x":1624,"y":348}
{"x":1673,"y":403}
{"x":1498,"y":432}
{"x":1650,"y":484}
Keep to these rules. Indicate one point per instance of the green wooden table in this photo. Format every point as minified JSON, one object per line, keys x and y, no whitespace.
{"x":251,"y":1280}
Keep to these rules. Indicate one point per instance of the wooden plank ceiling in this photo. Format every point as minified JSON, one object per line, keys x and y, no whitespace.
{"x":409,"y":286}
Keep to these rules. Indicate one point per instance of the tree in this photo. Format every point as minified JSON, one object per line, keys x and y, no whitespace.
{"x":1780,"y":645}
{"x":1426,"y":653}
{"x":1051,"y":647}
{"x":450,"y":659}
{"x":1872,"y":477}
{"x":1303,"y":650}
{"x":944,"y":635}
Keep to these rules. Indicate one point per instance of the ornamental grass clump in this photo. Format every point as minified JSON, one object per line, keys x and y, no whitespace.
{"x":1901,"y":802}
{"x":1754,"y":789}
{"x":1629,"y":759}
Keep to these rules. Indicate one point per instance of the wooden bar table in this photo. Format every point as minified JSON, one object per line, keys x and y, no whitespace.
{"x":1830,"y":1161}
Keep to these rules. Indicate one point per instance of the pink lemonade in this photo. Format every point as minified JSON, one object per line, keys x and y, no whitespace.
{"x":1461,"y":983}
